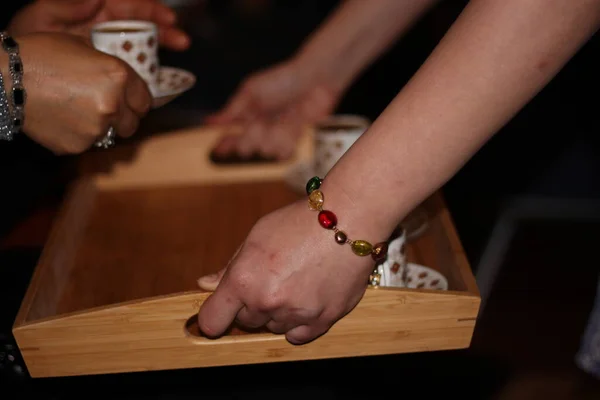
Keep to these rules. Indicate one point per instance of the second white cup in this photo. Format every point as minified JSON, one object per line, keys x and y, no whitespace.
{"x":333,"y":138}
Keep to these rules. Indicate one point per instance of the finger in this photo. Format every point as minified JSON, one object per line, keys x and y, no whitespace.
{"x":137,"y":94}
{"x":283,"y":138}
{"x":252,"y":138}
{"x":269,"y":137}
{"x":154,"y":11}
{"x":226,"y":145}
{"x":252,"y":319}
{"x":286,"y":319}
{"x":212,"y":281}
{"x":73,"y":11}
{"x":286,"y":145}
{"x":173,"y":38}
{"x":305,"y":333}
{"x":127,"y":122}
{"x":160,"y":13}
{"x":280,"y":327}
{"x":218,"y":312}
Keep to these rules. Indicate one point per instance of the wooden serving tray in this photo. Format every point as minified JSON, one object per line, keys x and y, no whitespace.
{"x":115,"y":288}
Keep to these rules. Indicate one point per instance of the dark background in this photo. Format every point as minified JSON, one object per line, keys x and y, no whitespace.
{"x":549,"y":149}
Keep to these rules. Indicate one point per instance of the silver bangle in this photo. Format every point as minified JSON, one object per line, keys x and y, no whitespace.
{"x":18,"y":94}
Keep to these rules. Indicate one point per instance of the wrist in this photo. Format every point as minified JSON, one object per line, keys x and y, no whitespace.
{"x":14,"y":93}
{"x":317,"y":68}
{"x":355,"y":216}
{"x":326,"y":241}
{"x":27,"y":78}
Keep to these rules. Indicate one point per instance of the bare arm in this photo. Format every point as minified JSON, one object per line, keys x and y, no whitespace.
{"x":273,"y":105}
{"x":290,"y":275}
{"x":356,"y":34}
{"x":495,"y":58}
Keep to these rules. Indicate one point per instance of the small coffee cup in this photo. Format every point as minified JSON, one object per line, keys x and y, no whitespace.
{"x":397,"y":272}
{"x":135,"y":42}
{"x":393,"y":272}
{"x":333,"y":137}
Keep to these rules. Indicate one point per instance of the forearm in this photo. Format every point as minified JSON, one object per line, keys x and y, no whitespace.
{"x":355,"y":35}
{"x":494,"y":59}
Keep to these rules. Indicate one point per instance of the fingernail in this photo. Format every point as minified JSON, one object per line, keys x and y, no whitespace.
{"x":209,"y":278}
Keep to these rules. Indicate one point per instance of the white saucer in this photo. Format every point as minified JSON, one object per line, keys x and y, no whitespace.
{"x":172,"y":83}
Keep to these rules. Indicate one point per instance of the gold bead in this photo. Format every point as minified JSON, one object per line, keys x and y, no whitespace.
{"x":375,"y":279}
{"x":316,"y":200}
{"x":361,"y":247}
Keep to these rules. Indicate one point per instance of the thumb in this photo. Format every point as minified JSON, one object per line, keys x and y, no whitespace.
{"x":74,"y":11}
{"x":212,"y":281}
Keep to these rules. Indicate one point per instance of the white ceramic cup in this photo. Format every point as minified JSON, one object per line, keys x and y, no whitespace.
{"x":135,"y":42}
{"x":397,"y":272}
{"x":333,"y":137}
{"x":393,"y":271}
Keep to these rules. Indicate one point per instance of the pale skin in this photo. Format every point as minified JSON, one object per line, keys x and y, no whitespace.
{"x":290,"y":275}
{"x":274,"y":105}
{"x":75,"y":93}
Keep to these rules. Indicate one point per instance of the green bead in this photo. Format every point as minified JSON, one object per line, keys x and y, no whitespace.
{"x":313,"y":184}
{"x":362,"y":248}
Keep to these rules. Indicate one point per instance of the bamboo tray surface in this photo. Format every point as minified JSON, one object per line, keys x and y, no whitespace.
{"x":163,"y":239}
{"x":118,"y":275}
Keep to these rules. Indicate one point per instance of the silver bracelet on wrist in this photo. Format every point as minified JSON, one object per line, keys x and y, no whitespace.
{"x":18,"y":95}
{"x":6,"y":127}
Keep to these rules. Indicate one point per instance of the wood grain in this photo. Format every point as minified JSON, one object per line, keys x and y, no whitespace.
{"x":150,"y":335}
{"x":116,"y":283}
{"x":144,"y":243}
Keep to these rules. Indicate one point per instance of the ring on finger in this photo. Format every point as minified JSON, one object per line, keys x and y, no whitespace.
{"x":108,"y":140}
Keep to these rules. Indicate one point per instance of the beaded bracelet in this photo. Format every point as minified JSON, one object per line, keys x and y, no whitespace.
{"x":18,"y":94}
{"x":328,"y":220}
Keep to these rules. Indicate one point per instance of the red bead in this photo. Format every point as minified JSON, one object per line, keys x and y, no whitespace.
{"x":327,"y":219}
